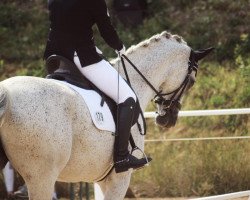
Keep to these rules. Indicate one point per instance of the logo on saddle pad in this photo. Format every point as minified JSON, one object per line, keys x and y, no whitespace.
{"x":100,"y":114}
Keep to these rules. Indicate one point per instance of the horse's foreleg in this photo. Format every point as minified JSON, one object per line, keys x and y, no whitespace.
{"x":40,"y":179}
{"x":114,"y":186}
{"x":41,"y":189}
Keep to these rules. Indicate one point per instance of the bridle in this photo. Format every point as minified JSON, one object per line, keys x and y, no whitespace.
{"x":160,"y":98}
{"x":177,"y":93}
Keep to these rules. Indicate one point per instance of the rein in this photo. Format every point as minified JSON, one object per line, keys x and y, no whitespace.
{"x":141,"y":112}
{"x":138,"y":71}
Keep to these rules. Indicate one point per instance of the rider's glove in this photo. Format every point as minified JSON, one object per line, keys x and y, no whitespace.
{"x":121,"y":51}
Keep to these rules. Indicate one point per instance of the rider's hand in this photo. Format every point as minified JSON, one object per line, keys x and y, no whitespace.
{"x":121,"y":51}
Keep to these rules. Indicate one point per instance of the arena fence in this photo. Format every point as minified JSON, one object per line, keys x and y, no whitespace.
{"x":197,"y":113}
{"x":191,"y":113}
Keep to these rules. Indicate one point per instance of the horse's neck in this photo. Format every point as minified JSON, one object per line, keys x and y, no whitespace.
{"x":156,"y":62}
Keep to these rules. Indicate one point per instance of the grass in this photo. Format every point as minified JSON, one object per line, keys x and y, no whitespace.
{"x":193,"y":168}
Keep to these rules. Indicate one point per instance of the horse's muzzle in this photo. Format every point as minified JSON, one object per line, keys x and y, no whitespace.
{"x":170,"y":116}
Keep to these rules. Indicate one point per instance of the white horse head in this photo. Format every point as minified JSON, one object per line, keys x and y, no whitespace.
{"x":168,"y":63}
{"x":46,"y":129}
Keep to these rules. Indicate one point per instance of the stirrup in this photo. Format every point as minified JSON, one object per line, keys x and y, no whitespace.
{"x":144,"y":155}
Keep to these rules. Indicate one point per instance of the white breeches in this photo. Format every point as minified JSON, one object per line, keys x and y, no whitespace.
{"x":106,"y":78}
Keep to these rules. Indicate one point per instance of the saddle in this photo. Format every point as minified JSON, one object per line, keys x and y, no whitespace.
{"x":60,"y":68}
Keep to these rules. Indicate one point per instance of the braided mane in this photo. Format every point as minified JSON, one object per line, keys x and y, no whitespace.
{"x":156,"y":38}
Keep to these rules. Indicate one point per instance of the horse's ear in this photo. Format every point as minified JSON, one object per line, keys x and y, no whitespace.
{"x":201,"y":53}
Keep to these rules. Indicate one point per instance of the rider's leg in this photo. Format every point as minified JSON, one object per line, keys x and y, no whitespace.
{"x":105,"y":77}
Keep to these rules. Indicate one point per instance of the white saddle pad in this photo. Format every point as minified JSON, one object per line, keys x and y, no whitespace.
{"x":101,"y":115}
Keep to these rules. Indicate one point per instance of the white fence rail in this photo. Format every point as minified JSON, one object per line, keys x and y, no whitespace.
{"x":194,"y":113}
{"x":198,"y":139}
{"x":227,"y":196}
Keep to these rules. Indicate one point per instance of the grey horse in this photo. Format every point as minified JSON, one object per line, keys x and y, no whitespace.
{"x":46,"y":129}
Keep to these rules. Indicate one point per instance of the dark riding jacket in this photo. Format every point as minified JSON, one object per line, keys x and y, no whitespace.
{"x":71,"y":29}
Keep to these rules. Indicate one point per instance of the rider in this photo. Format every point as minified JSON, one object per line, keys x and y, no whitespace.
{"x":70,"y":35}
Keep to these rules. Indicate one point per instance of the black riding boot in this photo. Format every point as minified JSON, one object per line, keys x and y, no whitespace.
{"x":122,"y":158}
